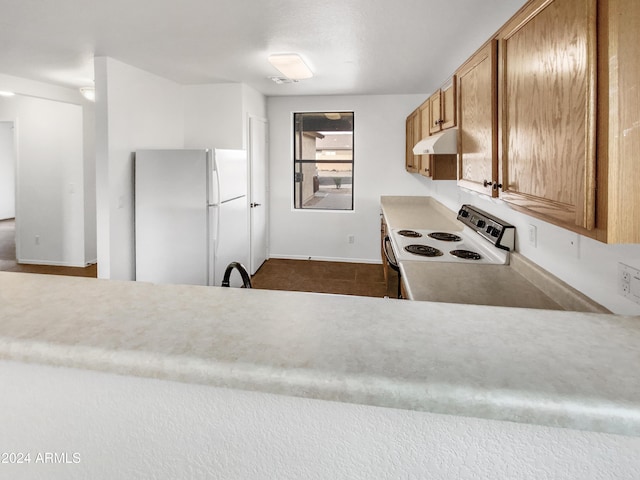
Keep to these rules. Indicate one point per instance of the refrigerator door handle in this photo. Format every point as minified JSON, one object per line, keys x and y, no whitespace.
{"x":214,"y":225}
{"x":214,"y":192}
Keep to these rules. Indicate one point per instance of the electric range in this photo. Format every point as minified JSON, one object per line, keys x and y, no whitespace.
{"x":483,"y":239}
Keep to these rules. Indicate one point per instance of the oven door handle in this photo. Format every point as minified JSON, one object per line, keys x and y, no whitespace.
{"x":388,"y":252}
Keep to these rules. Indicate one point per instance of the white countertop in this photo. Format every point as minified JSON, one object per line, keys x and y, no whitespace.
{"x":464,"y":283}
{"x":541,"y":367}
{"x":520,"y":284}
{"x":418,"y":213}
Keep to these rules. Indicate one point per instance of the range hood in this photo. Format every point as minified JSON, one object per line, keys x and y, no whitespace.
{"x":443,"y":142}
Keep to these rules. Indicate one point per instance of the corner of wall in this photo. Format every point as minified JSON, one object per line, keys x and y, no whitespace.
{"x":135,"y":109}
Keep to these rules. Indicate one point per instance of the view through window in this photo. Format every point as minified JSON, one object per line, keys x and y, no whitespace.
{"x":323,"y":160}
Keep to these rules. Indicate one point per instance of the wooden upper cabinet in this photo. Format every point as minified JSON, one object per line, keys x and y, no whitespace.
{"x":438,"y":167}
{"x":442,"y":108}
{"x":412,"y":162}
{"x":448,"y":104}
{"x":618,"y":192}
{"x":435,"y":117}
{"x":547,"y":69}
{"x":477,"y":121}
{"x":425,"y":123}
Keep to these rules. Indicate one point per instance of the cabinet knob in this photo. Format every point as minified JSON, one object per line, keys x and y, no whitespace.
{"x":493,"y":185}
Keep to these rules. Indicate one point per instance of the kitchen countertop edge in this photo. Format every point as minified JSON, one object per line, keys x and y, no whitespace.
{"x":369,"y":351}
{"x":597,"y":415}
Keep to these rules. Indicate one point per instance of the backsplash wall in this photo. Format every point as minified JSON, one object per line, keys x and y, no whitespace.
{"x":586,"y":264}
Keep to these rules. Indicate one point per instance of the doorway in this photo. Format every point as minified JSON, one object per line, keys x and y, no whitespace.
{"x":258,"y":191}
{"x":7,"y":193}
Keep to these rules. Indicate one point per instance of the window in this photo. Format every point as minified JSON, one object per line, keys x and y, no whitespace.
{"x":323,"y":160}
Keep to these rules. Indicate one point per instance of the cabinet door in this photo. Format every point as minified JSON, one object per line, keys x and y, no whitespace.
{"x":438,"y":167}
{"x":425,"y":165}
{"x":618,"y":195}
{"x":443,"y":167}
{"x":412,"y":162}
{"x":547,"y":107}
{"x":477,"y":121}
{"x":448,"y":105}
{"x":435,"y":115}
{"x":425,"y":119}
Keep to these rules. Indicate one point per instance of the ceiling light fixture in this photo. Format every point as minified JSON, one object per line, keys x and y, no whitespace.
{"x":89,"y":93}
{"x":333,"y":115}
{"x":6,"y":94}
{"x":290,"y":65}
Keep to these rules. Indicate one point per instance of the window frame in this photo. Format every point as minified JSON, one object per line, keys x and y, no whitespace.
{"x":296,"y":162}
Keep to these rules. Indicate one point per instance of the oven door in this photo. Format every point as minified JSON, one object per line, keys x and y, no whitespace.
{"x":392,"y":269}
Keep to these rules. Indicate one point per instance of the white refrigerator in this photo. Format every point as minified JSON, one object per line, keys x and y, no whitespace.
{"x":191,"y":215}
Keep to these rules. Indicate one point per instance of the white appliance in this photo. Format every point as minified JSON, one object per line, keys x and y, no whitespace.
{"x":483,"y":239}
{"x":191,"y":215}
{"x":451,"y":246}
{"x":443,"y":142}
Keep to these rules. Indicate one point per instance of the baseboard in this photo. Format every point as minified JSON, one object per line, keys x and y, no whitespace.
{"x":51,"y":263}
{"x":327,"y":259}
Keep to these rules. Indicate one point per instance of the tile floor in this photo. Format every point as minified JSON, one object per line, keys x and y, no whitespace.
{"x":275,"y":274}
{"x":8,"y":257}
{"x":323,"y":277}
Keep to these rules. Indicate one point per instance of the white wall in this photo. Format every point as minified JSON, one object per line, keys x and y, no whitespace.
{"x":216,"y":115}
{"x":50,"y":201}
{"x":213,"y":116}
{"x":89,"y":143}
{"x":587,"y":265}
{"x":25,"y":88}
{"x":7,"y":171}
{"x":50,"y":209}
{"x":125,"y":427}
{"x":379,"y":144}
{"x":254,"y":104}
{"x":134,"y":110}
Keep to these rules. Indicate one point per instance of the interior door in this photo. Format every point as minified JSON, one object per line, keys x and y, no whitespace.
{"x":258,"y":191}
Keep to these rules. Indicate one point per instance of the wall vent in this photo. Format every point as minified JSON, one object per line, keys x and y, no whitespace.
{"x":281,"y":80}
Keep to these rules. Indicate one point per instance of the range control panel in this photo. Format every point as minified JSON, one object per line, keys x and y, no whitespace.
{"x":496,"y":231}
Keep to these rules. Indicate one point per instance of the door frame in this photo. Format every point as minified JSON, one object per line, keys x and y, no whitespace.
{"x":250,"y":120}
{"x":16,"y":163}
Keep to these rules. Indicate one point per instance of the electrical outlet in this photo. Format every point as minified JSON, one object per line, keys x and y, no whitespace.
{"x":533,"y":236}
{"x":629,"y":282}
{"x":351,"y":238}
{"x":37,"y":239}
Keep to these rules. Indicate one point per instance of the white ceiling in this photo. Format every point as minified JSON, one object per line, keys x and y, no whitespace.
{"x":352,"y":46}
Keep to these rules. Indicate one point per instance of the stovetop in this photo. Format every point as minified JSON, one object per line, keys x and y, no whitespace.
{"x":441,"y":249}
{"x":481,"y":239}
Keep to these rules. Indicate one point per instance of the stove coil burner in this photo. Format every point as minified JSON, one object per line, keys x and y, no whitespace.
{"x":423,"y":250}
{"x":445,"y":236}
{"x":409,"y":233}
{"x":466,"y":254}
